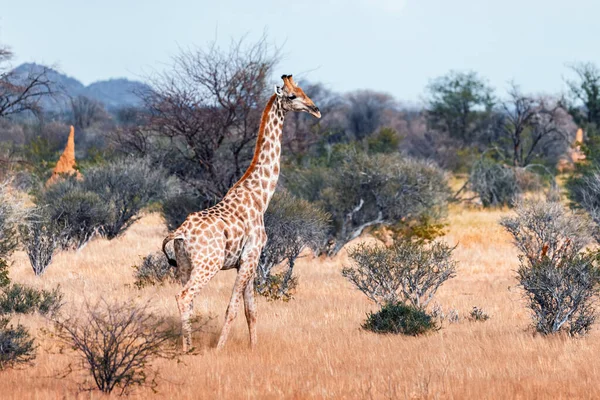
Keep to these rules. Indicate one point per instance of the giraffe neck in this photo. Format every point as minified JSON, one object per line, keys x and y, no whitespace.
{"x":262,"y":175}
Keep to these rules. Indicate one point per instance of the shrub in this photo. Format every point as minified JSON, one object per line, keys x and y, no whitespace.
{"x":107,"y":201}
{"x":495,"y":184}
{"x":361,"y":191}
{"x":22,"y":299}
{"x":292,"y":225}
{"x":178,"y":205}
{"x":585,"y":191}
{"x":408,"y":271}
{"x":561,"y":290}
{"x":400,"y":318}
{"x":4,"y":278}
{"x":40,"y":236}
{"x":117,"y":343}
{"x":12,"y":211}
{"x":539,"y":225}
{"x":78,"y":212}
{"x":155,"y":269}
{"x":478,"y":314}
{"x":16,"y":345}
{"x":126,"y":186}
{"x":559,"y":281}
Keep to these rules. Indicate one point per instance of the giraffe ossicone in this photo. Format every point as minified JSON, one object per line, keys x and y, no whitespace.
{"x":231,"y":234}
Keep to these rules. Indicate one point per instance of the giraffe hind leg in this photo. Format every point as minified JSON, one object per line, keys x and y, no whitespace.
{"x":202,"y":272}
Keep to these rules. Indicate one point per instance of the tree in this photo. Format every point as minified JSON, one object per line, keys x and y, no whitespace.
{"x":301,"y":131}
{"x":365,"y":112}
{"x":535,"y":127}
{"x":203,"y":115}
{"x":86,"y":112}
{"x":20,"y":92}
{"x":584,"y":104}
{"x":459,"y":103}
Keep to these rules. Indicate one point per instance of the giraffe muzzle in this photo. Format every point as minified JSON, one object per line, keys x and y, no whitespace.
{"x":314,"y":111}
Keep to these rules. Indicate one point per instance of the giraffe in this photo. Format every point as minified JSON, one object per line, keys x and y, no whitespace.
{"x":66,"y":162}
{"x":231,"y":234}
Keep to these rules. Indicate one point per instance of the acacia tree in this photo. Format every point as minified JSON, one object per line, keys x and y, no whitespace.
{"x":204,"y":114}
{"x":535,"y":127}
{"x":20,"y":92}
{"x":459,"y":103}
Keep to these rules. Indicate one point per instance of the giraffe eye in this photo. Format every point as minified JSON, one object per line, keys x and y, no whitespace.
{"x":292,"y":97}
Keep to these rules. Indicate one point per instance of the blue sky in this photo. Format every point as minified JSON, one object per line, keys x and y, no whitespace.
{"x":395,"y":46}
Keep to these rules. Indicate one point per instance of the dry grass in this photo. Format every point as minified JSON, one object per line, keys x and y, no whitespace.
{"x":313,"y":347}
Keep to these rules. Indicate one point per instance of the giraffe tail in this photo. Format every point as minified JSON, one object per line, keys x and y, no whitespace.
{"x":171,"y":236}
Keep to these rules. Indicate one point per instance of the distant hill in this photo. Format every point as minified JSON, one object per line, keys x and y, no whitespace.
{"x":113,"y":93}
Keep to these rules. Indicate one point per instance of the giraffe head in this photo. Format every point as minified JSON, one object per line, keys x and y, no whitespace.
{"x":294,"y":99}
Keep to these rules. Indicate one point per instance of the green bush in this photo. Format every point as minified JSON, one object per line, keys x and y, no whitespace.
{"x":16,"y":345}
{"x":125,"y":187}
{"x":21,"y":299}
{"x":360,"y":191}
{"x":107,"y":201}
{"x":400,"y":318}
{"x":4,"y":278}
{"x":77,"y":212}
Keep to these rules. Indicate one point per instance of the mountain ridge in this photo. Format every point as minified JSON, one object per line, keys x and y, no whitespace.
{"x":113,"y":93}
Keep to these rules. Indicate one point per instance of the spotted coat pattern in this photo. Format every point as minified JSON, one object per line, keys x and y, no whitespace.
{"x":231,"y":234}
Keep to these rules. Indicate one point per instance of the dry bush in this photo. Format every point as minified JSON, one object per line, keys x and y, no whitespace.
{"x":155,"y":269}
{"x":117,"y":343}
{"x":292,"y":225}
{"x":538,"y":224}
{"x":12,"y":210}
{"x":408,"y":271}
{"x":586,"y":192}
{"x":478,"y":314}
{"x":40,"y":236}
{"x":560,"y":282}
{"x":562,"y":290}
{"x":495,"y":184}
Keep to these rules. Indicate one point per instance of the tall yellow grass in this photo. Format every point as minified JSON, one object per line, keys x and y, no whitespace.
{"x":313,"y":347}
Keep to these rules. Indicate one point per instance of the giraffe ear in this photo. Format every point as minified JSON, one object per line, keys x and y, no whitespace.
{"x":278,"y":91}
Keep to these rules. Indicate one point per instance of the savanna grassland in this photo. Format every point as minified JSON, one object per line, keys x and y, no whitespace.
{"x":313,"y":346}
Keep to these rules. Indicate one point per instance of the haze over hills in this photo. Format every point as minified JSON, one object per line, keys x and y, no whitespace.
{"x":113,"y":93}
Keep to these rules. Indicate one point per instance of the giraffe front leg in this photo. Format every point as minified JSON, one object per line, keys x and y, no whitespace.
{"x":244,"y":276}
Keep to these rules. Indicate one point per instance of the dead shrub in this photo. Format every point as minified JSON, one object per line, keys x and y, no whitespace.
{"x":117,"y":344}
